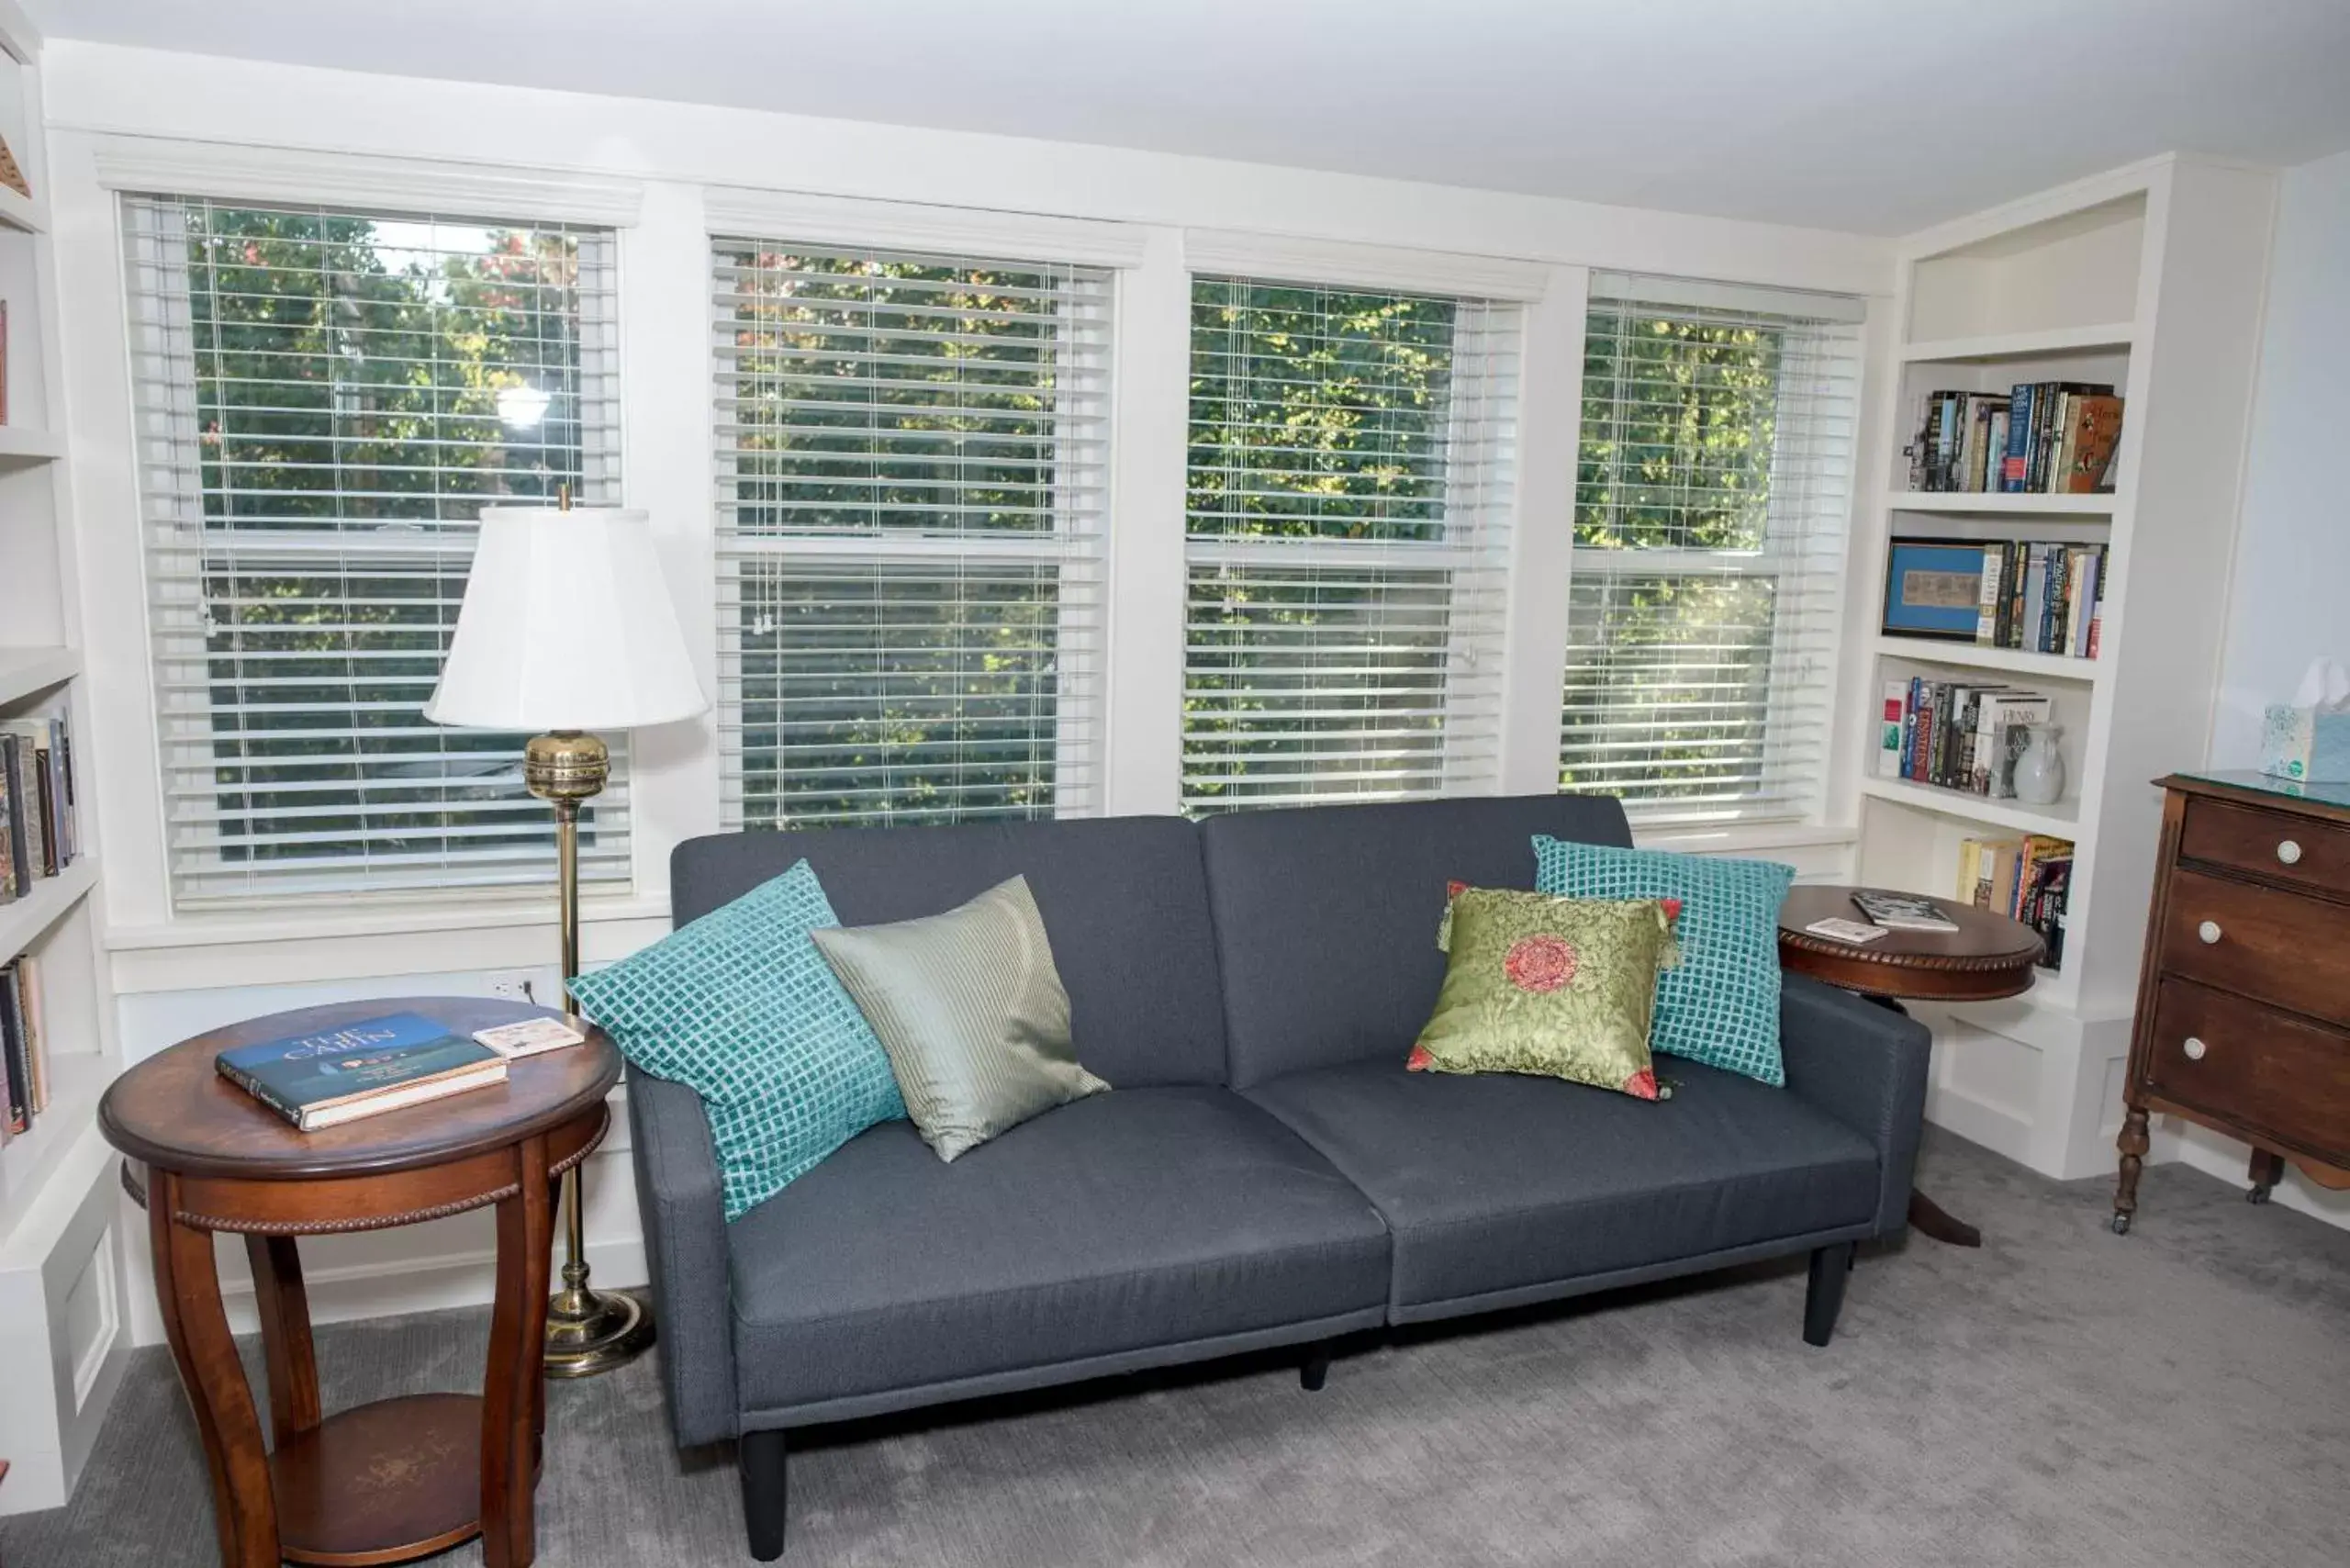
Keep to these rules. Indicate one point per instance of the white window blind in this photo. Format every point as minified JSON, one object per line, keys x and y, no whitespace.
{"x":1713,"y":489}
{"x":1347,"y":519}
{"x":325,"y":400}
{"x":913,"y":468}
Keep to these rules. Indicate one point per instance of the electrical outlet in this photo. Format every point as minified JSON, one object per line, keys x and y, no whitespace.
{"x":514,"y":985}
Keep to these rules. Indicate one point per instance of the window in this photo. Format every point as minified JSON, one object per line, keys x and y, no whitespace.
{"x":1712,"y":488}
{"x":325,"y":401}
{"x":1347,"y":527}
{"x":912,"y":460}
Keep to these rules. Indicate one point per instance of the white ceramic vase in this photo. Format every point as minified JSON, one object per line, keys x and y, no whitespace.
{"x":2039,"y":767}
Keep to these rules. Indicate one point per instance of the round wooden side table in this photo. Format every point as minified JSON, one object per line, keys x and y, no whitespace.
{"x":399,"y":1478}
{"x":1988,"y":956}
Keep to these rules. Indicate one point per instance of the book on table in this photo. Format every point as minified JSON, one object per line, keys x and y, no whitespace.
{"x":1903,"y":912}
{"x":363,"y":1069}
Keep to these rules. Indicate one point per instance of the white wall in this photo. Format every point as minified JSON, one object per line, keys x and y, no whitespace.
{"x":323,"y":134}
{"x":2290,"y":599}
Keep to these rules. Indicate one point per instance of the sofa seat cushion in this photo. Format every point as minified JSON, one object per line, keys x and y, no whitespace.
{"x":1139,"y":1218}
{"x":1506,"y":1188}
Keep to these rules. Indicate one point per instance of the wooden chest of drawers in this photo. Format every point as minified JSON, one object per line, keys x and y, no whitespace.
{"x":2244,"y":1003}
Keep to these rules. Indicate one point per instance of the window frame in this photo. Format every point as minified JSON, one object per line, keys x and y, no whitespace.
{"x":1798,"y":539}
{"x":1077,"y":549}
{"x":169,"y":495}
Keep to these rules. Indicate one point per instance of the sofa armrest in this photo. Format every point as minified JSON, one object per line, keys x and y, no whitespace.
{"x":1864,"y":1064}
{"x":685,"y":1248}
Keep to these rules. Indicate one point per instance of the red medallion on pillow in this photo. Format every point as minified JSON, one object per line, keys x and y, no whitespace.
{"x":1540,"y":963}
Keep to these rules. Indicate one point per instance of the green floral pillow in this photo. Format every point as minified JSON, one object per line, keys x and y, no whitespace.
{"x":1561,"y":987}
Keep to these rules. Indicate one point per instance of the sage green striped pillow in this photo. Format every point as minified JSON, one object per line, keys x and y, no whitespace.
{"x":971,"y":1011}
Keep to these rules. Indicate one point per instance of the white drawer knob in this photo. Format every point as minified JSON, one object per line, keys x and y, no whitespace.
{"x":2195,"y":1048}
{"x":2208,"y":931}
{"x":2288,"y":852}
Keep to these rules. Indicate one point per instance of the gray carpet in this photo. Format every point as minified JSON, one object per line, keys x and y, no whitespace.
{"x":2064,"y":1396}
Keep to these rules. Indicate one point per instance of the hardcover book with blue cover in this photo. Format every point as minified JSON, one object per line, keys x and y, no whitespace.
{"x":360,"y":1069}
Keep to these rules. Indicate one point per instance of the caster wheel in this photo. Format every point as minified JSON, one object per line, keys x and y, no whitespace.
{"x":2259,"y":1194}
{"x":2121,"y":1224}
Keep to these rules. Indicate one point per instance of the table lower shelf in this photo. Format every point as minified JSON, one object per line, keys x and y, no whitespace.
{"x":381,"y":1483}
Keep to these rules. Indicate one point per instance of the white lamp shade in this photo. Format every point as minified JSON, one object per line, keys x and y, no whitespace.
{"x":566,"y":625}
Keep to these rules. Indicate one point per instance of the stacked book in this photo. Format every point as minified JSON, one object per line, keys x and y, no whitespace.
{"x":2041,"y":438}
{"x":1956,"y":735}
{"x":2042,"y":597}
{"x":38,"y":835}
{"x":381,"y":1064}
{"x":2024,"y":879}
{"x":23,"y":1048}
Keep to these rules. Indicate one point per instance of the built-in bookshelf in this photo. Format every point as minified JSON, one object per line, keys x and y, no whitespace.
{"x":2147,"y":280}
{"x":61,"y":1320}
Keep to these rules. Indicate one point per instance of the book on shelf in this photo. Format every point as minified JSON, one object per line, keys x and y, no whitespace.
{"x":364,"y":1069}
{"x":2042,"y":597}
{"x":1902,"y":911}
{"x":24,"y":1046}
{"x":2025,"y":879}
{"x":1957,"y":734}
{"x":2037,"y":437}
{"x":39,"y":829}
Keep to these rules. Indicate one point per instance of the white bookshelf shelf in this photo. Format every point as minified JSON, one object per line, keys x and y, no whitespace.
{"x":2059,"y":820}
{"x":2105,"y":338}
{"x":1992,"y":503}
{"x":1975,"y":655}
{"x":62,"y":1310}
{"x":24,"y":671}
{"x":23,"y":213}
{"x":78,"y":1080}
{"x":2150,"y":278}
{"x":23,"y":920}
{"x":22,"y":446}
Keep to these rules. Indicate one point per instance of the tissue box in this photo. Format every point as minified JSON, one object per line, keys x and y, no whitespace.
{"x":2304,"y":744}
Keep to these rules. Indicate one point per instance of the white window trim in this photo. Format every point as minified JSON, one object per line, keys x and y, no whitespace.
{"x":266,"y":174}
{"x":852,"y":223}
{"x":1275,"y":258}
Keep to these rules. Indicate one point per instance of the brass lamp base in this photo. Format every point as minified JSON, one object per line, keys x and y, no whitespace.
{"x":588,"y":1331}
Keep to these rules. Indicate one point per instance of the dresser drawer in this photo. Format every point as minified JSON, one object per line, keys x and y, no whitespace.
{"x":2298,"y":850}
{"x":2264,"y":943}
{"x":2252,"y":1067}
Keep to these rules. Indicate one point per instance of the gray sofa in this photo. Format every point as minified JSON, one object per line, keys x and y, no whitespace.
{"x":1266,"y":1172}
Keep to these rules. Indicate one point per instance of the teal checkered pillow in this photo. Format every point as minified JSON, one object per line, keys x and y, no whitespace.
{"x":1721,"y":1006}
{"x":739,"y":1007}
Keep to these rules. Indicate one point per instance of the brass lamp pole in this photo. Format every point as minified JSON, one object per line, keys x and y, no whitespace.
{"x":588,"y":1331}
{"x":567,"y":627}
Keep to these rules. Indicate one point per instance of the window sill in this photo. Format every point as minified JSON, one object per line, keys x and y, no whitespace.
{"x":458,"y":937}
{"x":1733,"y":838}
{"x":219,"y":928}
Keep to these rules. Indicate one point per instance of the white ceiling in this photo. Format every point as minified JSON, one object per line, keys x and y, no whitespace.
{"x":1876,"y":116}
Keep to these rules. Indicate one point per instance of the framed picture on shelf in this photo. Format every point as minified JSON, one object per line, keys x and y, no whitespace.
{"x":1933,"y":588}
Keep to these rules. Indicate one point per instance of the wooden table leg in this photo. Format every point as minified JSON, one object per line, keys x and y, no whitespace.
{"x":2267,"y":1169}
{"x":187,"y":1287}
{"x":512,"y":1399}
{"x":284,"y":1307}
{"x":1929,"y":1219}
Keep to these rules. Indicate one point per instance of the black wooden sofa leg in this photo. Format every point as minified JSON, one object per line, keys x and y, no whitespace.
{"x":1314,"y":1371}
{"x":1825,"y":1296}
{"x":760,"y":1457}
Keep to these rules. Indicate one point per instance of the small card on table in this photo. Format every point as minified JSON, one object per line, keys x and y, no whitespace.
{"x":530,"y":1037}
{"x":1837,"y":930}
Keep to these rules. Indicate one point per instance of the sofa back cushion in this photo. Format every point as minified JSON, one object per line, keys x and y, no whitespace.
{"x":1326,"y":917}
{"x":1123,"y":901}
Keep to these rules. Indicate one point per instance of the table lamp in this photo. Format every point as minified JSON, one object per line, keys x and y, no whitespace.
{"x":566,"y":627}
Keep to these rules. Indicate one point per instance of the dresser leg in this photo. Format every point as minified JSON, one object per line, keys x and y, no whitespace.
{"x":2267,"y":1169}
{"x":2134,"y":1144}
